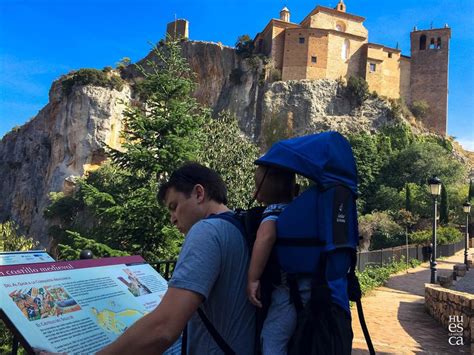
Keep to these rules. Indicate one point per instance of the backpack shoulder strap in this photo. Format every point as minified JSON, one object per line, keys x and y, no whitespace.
{"x":355,"y":295}
{"x":215,"y":334}
{"x":230,"y":217}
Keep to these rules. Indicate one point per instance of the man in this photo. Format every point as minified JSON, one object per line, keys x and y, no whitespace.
{"x":211,"y":273}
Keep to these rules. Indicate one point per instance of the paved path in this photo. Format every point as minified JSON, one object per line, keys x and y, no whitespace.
{"x":396,"y":317}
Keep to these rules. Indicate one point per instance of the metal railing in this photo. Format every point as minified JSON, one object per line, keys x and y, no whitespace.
{"x":364,"y":258}
{"x":388,"y":255}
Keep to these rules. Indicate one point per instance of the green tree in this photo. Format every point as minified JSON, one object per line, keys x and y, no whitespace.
{"x":357,"y":90}
{"x":417,"y":162}
{"x":470,"y":194}
{"x":164,"y":131}
{"x":244,"y":46}
{"x":408,"y":201}
{"x":444,"y":206}
{"x":232,"y":155}
{"x":364,"y":147}
{"x":12,"y":240}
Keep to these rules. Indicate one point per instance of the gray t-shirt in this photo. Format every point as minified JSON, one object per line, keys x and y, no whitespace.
{"x":214,"y":262}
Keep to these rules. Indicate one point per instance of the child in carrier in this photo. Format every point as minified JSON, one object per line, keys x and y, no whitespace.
{"x":276,"y":188}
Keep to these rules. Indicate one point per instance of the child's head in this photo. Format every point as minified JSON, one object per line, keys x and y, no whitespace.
{"x":278,"y":185}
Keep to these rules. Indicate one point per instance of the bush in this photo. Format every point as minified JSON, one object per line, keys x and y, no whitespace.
{"x":380,"y":229}
{"x":444,"y":235}
{"x":12,"y":240}
{"x":374,"y":276}
{"x":357,"y":90}
{"x":244,"y":46}
{"x":91,"y":77}
{"x":419,"y":109}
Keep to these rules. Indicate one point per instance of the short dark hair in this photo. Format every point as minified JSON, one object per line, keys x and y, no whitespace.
{"x":189,"y":175}
{"x":276,"y":185}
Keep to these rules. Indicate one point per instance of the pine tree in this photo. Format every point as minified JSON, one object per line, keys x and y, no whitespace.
{"x":408,"y":204}
{"x":444,"y":207}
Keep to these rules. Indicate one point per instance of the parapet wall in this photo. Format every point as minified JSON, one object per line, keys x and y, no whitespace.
{"x":452,"y":309}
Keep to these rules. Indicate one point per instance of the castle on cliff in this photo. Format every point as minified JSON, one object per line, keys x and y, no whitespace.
{"x":333,"y":44}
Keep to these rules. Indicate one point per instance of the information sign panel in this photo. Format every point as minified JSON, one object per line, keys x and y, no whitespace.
{"x":24,"y":257}
{"x":78,"y":306}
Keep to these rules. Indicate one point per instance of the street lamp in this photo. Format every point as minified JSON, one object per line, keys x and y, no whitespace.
{"x":435,"y":190}
{"x":467,"y":210}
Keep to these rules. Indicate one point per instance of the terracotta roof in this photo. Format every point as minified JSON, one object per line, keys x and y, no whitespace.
{"x":384,"y":47}
{"x":278,"y":22}
{"x":327,"y":30}
{"x":335,"y":13}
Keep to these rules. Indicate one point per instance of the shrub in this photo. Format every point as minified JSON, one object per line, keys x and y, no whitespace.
{"x":419,"y":108}
{"x":357,"y":90}
{"x":12,"y":240}
{"x":444,"y":235}
{"x":374,"y":276}
{"x":123,"y":63}
{"x":91,"y":77}
{"x":244,"y":46}
{"x":380,"y":229}
{"x":275,"y":74}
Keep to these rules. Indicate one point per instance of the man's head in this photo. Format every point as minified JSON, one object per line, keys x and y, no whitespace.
{"x":191,"y":193}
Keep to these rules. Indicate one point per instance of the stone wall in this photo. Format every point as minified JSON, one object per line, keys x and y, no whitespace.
{"x":443,"y":303}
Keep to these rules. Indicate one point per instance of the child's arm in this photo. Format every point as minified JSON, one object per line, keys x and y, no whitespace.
{"x":262,"y":248}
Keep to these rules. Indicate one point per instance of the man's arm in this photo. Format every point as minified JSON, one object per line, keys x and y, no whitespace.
{"x":158,"y":330}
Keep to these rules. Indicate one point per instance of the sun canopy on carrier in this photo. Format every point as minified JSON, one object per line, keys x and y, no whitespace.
{"x":326,"y":158}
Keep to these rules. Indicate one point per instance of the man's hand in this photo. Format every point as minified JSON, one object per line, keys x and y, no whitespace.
{"x":253,"y":292}
{"x":158,"y":330}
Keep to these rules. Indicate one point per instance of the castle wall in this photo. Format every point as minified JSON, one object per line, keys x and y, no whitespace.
{"x":385,"y":80}
{"x":337,"y":66}
{"x":405,"y":73}
{"x":295,"y":58}
{"x":429,"y":75}
{"x":317,"y":47}
{"x":328,"y":21}
{"x":278,"y":45}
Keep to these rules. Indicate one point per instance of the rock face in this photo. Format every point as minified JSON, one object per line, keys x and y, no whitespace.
{"x":64,"y":139}
{"x":313,"y":106}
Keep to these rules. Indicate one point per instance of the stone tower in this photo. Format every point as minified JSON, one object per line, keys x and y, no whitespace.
{"x":178,"y":29}
{"x":285,"y":14}
{"x":341,"y":6}
{"x":429,"y":74}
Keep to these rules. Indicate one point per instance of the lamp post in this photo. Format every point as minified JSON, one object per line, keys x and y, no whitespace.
{"x":435,"y":190}
{"x":467,"y":210}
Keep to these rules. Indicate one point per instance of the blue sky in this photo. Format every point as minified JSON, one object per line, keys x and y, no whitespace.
{"x":42,"y":39}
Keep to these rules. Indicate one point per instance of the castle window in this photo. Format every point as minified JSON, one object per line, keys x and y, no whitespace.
{"x":372,"y":67}
{"x":340,"y":26}
{"x":314,"y":59}
{"x":345,"y":49}
{"x":438,"y":43}
{"x":422,"y":42}
{"x":432,"y":44}
{"x":301,"y":40}
{"x":389,"y":54}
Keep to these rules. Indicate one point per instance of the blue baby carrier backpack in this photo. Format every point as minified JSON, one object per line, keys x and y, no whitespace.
{"x":317,"y":237}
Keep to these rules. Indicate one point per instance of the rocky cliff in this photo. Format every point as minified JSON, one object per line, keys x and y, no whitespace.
{"x":66,"y":138}
{"x":61,"y":142}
